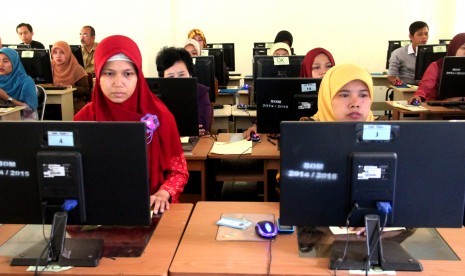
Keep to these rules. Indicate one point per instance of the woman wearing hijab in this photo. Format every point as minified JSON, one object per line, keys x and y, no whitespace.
{"x":284,"y":36}
{"x":198,"y":35}
{"x":280,"y":49}
{"x":192,"y":46}
{"x":316,"y":63}
{"x":16,"y":87}
{"x":345,"y":94}
{"x":121,"y":94}
{"x":429,"y":84}
{"x":68,"y":72}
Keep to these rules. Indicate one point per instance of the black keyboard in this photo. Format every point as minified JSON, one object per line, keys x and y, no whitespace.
{"x":48,"y":86}
{"x":218,"y":106}
{"x":234,"y":74}
{"x":7,"y":105}
{"x":445,"y":103}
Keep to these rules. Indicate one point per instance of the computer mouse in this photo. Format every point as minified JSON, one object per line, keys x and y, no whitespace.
{"x":266,"y":229}
{"x":415,"y":102}
{"x":254,"y":137}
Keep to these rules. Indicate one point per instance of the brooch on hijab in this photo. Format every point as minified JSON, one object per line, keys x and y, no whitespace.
{"x":151,"y":123}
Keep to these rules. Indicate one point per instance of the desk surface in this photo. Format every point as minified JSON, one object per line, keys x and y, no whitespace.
{"x":262,"y":150}
{"x":155,"y":260}
{"x":13,"y":114}
{"x":432,"y":112}
{"x":199,"y":252}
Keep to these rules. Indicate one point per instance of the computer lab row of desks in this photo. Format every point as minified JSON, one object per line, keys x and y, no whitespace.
{"x":186,"y":242}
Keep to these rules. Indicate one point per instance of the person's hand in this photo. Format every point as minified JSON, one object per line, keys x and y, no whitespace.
{"x":249,"y":131}
{"x":202,"y":131}
{"x":160,"y":201}
{"x":3,"y":95}
{"x":358,"y":230}
{"x":394,"y":80}
{"x":411,"y":100}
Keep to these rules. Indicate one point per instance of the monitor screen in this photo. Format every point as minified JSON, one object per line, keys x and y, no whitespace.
{"x":204,"y":71}
{"x":180,"y":96}
{"x":77,"y":52}
{"x":228,"y":50}
{"x":17,"y":46}
{"x":452,"y":80}
{"x":218,"y":54}
{"x":284,"y":99}
{"x":100,"y":166}
{"x":427,"y":54}
{"x":392,"y":45}
{"x":37,"y":64}
{"x":276,"y":67}
{"x":444,"y":41}
{"x":333,"y":173}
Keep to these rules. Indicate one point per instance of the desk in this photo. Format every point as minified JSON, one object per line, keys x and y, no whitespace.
{"x":380,"y":80}
{"x":200,"y":254}
{"x":221,"y":118}
{"x":264,"y":151}
{"x":226,"y":98}
{"x":243,"y":118}
{"x":432,"y":113}
{"x":403,"y":94}
{"x":65,"y":99}
{"x":12,"y":115}
{"x":196,"y":161}
{"x":155,"y":260}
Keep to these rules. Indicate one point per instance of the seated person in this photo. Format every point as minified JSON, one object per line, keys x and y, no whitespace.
{"x":118,"y":65}
{"x":429,"y":84}
{"x":177,"y":63}
{"x":16,"y":87}
{"x":316,"y":63}
{"x":68,"y":72}
{"x":280,"y":49}
{"x":284,"y":36}
{"x":25,"y":33}
{"x":192,"y":46}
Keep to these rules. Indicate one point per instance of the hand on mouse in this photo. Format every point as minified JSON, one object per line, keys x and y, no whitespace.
{"x":248,"y":133}
{"x":415,"y":100}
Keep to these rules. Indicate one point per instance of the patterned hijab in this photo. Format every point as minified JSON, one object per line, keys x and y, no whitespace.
{"x":332,"y":82}
{"x":70,"y":71}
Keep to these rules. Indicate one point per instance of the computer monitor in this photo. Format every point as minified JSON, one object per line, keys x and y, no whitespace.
{"x":260,"y":52}
{"x":77,"y":52}
{"x":101,"y":166}
{"x":427,"y":54}
{"x":228,"y":51}
{"x":218,"y":54}
{"x":204,"y":71}
{"x":338,"y":172}
{"x":180,"y":96}
{"x":392,"y":45}
{"x":444,"y":41}
{"x":284,"y":99}
{"x":452,"y":82}
{"x":263,"y":44}
{"x":37,"y":64}
{"x":17,"y":46}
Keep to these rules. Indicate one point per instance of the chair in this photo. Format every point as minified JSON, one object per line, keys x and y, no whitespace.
{"x":42,"y":98}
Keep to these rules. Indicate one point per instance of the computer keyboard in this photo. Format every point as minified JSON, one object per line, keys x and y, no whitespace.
{"x":446,"y":103}
{"x":218,"y":106}
{"x":50,"y":86}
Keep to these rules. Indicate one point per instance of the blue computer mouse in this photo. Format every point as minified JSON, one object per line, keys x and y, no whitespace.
{"x":416,"y":102}
{"x":266,"y":229}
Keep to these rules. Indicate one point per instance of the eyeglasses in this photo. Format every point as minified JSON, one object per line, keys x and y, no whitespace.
{"x":84,"y":34}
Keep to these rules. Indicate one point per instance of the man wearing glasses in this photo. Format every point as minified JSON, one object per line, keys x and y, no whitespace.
{"x":87,"y":37}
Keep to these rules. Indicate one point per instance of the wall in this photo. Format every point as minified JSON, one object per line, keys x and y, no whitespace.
{"x":355,"y":31}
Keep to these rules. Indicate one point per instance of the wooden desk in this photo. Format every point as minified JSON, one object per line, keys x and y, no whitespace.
{"x":226,"y":98}
{"x":403,"y":94}
{"x":200,"y":254}
{"x":242,"y":118}
{"x":264,"y":151}
{"x":221,"y":118}
{"x":196,"y":161}
{"x":12,"y":115}
{"x":65,"y":99}
{"x":432,"y":113}
{"x":380,"y":80}
{"x":155,"y":260}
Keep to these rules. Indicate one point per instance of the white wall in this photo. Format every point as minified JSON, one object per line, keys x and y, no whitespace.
{"x":354,"y":31}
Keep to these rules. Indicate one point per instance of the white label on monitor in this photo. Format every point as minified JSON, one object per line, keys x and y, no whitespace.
{"x":60,"y":138}
{"x":404,"y":43}
{"x":269,"y":45}
{"x":367,"y":172}
{"x":281,"y":60}
{"x":53,"y":170}
{"x":217,"y":46}
{"x":304,"y":106}
{"x":376,"y":132}
{"x":308,"y":87}
{"x":194,"y":60}
{"x":204,"y":52}
{"x":27,"y":54}
{"x":440,"y":49}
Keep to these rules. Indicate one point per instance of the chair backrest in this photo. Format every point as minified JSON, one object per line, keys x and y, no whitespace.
{"x":42,"y":98}
{"x":90,"y":79}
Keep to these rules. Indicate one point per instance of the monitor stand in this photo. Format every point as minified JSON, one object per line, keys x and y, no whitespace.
{"x":84,"y":252}
{"x":386,"y":255}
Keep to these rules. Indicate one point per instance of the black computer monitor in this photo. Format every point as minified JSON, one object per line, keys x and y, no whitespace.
{"x":392,"y":45}
{"x":37,"y":64}
{"x":228,"y":51}
{"x":263,"y":44}
{"x":284,"y":99}
{"x":101,"y":166}
{"x":452,"y":81}
{"x":333,"y":173}
{"x":180,"y":96}
{"x":444,"y":41}
{"x":260,"y":52}
{"x":77,"y":52}
{"x":17,"y":46}
{"x":427,"y":54}
{"x":218,"y":54}
{"x":204,"y":71}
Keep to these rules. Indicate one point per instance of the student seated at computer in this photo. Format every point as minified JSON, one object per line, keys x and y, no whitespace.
{"x":280,"y":49}
{"x":284,"y":36}
{"x":316,"y":63}
{"x":122,"y":94}
{"x":192,"y":46}
{"x":177,"y":63}
{"x":16,"y":87}
{"x":429,"y":84}
{"x":68,"y":72}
